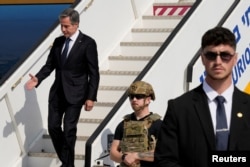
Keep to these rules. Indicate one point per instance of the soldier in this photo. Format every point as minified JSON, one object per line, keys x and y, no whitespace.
{"x":135,"y":137}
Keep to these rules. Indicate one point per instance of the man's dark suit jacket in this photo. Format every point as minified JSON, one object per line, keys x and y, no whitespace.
{"x":187,"y":136}
{"x":79,"y":75}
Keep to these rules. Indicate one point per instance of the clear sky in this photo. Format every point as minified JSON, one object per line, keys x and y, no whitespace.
{"x":22,"y":27}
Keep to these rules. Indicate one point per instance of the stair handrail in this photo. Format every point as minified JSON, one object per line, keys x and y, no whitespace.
{"x":88,"y":5}
{"x":134,"y":8}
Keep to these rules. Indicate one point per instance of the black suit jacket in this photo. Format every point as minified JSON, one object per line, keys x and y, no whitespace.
{"x":79,"y":75}
{"x":187,"y":136}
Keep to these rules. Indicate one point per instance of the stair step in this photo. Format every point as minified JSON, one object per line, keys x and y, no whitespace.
{"x":151,"y":30}
{"x":113,"y":88}
{"x":160,"y":21}
{"x":139,"y":48}
{"x":44,"y":152}
{"x":118,"y":78}
{"x":180,"y":3}
{"x":49,"y":160}
{"x":86,"y":126}
{"x":100,"y":110}
{"x":148,"y":34}
{"x":136,"y":49}
{"x":141,"y":43}
{"x":111,"y":93}
{"x":48,"y":146}
{"x":53,"y":155}
{"x":90,"y":120}
{"x":134,"y":58}
{"x":79,"y":138}
{"x":166,"y":18}
{"x":104,"y":104}
{"x":119,"y":73}
{"x":133,"y":63}
{"x":172,"y":9}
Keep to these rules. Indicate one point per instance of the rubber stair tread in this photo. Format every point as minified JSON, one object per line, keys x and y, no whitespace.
{"x":110,"y":72}
{"x":141,"y":43}
{"x":79,"y":138}
{"x":105,"y":104}
{"x":113,"y":88}
{"x":53,"y":155}
{"x":90,"y":120}
{"x":130,"y":57}
{"x":151,"y":30}
{"x":169,"y":17}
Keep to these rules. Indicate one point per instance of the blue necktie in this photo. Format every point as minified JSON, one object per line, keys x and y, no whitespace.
{"x":222,"y":131}
{"x":65,"y":50}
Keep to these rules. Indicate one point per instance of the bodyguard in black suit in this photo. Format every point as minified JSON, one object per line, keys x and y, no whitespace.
{"x":76,"y":82}
{"x":189,"y":134}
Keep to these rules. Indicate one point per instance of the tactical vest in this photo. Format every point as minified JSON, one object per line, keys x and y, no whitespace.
{"x":136,"y":137}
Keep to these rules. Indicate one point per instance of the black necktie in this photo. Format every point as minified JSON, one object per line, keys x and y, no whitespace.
{"x":65,"y":50}
{"x":222,"y":131}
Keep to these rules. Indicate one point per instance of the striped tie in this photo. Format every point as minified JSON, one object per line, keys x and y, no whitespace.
{"x":222,"y":131}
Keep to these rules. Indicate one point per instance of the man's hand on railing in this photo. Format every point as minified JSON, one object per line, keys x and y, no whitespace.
{"x":32,"y":82}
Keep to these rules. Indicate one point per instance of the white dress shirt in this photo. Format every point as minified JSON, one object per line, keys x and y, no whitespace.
{"x":211,"y":95}
{"x":72,"y":41}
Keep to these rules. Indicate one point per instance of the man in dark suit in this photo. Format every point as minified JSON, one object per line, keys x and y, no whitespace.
{"x":76,"y":82}
{"x":189,"y":134}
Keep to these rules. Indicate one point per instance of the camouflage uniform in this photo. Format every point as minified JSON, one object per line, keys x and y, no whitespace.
{"x":136,"y":137}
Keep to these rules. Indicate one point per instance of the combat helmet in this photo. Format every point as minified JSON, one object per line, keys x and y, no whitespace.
{"x":141,"y":87}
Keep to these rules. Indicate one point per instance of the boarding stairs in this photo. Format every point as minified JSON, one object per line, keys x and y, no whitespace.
{"x":125,"y":63}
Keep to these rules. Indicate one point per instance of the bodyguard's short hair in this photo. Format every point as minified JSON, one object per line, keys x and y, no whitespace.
{"x":217,"y":36}
{"x":72,"y":14}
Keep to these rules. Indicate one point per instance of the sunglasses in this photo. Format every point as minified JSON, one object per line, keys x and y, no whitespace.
{"x":137,"y":96}
{"x":225,"y":56}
